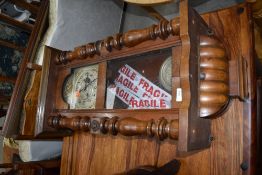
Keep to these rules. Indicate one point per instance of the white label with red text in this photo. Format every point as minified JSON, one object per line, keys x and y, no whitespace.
{"x":138,"y":92}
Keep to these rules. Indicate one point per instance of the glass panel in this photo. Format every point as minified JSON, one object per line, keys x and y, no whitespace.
{"x":79,"y":89}
{"x":140,"y":82}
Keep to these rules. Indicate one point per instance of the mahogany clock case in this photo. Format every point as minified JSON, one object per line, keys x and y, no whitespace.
{"x":234,"y":131}
{"x":183,"y":46}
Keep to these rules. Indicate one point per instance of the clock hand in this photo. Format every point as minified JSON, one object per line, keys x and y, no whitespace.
{"x":92,"y":81}
{"x":89,"y":84}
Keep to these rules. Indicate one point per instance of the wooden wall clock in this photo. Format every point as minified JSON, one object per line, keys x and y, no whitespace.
{"x":164,"y":81}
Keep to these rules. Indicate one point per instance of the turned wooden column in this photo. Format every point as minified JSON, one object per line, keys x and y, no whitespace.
{"x":128,"y":126}
{"x":118,"y":41}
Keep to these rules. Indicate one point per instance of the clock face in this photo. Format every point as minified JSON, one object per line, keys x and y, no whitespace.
{"x":80,"y":88}
{"x":165,"y":74}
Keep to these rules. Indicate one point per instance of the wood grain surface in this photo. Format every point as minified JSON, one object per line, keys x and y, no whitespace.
{"x":30,"y":105}
{"x":87,"y":154}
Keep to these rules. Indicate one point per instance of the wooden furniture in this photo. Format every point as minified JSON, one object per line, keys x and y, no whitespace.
{"x":200,"y":71}
{"x":12,"y":164}
{"x":198,"y":49}
{"x":46,"y":167}
{"x":232,"y":149}
{"x":12,"y":122}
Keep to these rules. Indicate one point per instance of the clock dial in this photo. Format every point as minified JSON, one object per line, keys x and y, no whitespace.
{"x":80,"y":88}
{"x":165,"y":74}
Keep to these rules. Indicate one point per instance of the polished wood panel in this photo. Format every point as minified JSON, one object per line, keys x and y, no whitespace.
{"x":250,"y":107}
{"x":30,"y":105}
{"x":44,"y":167}
{"x":101,"y":86}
